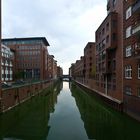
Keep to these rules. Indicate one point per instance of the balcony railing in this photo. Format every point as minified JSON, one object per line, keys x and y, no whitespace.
{"x":136,"y":29}
{"x":136,"y":7}
{"x":136,"y":51}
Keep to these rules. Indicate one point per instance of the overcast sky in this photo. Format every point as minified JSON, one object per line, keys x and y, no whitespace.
{"x":67,"y":25}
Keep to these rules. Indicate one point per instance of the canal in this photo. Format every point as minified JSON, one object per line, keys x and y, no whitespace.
{"x":65,"y":112}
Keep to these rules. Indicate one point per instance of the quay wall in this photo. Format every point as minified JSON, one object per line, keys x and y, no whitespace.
{"x":116,"y":104}
{"x":14,"y":96}
{"x":129,"y":105}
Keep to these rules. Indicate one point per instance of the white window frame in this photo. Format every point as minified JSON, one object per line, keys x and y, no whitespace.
{"x":138,"y":71}
{"x":128,"y":72}
{"x":128,"y":51}
{"x":128,"y":12}
{"x":128,"y":31}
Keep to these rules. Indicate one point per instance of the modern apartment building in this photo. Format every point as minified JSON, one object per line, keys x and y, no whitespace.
{"x":132,"y":56}
{"x":31,"y":56}
{"x":109,"y":52}
{"x":7,"y":63}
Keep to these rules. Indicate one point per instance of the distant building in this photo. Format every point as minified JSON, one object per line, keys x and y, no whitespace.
{"x":7,"y":63}
{"x":52,"y":67}
{"x":79,"y":69}
{"x":31,"y":56}
{"x":59,"y":72}
{"x":89,"y":61}
{"x":72,"y":70}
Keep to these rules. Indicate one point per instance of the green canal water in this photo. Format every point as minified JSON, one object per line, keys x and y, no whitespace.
{"x":65,"y":112}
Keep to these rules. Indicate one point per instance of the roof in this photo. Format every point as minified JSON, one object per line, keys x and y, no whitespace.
{"x":28,"y":38}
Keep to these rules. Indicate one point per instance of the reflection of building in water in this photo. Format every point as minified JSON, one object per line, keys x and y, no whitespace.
{"x":101,"y":123}
{"x":30,"y":120}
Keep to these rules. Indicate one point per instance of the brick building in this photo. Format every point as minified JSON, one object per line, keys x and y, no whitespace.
{"x":89,"y":62}
{"x":7,"y":63}
{"x":59,"y":72}
{"x":31,"y":56}
{"x":79,"y":69}
{"x":52,"y":67}
{"x":109,"y":52}
{"x":132,"y":56}
{"x":72,"y":70}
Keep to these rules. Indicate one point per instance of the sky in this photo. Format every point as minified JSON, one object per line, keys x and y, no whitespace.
{"x":67,"y":25}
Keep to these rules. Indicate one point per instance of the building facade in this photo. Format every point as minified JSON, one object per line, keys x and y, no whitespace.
{"x":132,"y":56}
{"x":7,"y":64}
{"x":52,"y":67}
{"x":31,"y":57}
{"x":89,"y":62}
{"x":59,"y":72}
{"x":79,"y":70}
{"x":109,"y":52}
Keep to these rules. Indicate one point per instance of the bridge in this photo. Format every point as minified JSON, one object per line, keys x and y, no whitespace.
{"x":66,"y":77}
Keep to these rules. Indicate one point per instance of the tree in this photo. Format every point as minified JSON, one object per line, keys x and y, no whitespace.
{"x":19,"y":75}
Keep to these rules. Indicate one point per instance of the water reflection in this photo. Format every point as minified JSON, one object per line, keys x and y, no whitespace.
{"x":65,"y":122}
{"x":61,"y":114}
{"x":103,"y":123}
{"x":29,"y":121}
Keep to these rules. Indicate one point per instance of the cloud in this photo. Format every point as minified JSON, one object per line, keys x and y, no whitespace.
{"x":68,"y":26}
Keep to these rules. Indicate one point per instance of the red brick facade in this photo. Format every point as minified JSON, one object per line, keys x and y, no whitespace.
{"x":132,"y":57}
{"x":31,"y":56}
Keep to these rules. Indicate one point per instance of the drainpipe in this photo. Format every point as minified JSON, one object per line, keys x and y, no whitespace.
{"x":0,"y":57}
{"x":106,"y":87}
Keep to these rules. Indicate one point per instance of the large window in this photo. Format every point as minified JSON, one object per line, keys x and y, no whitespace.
{"x":128,"y":72}
{"x":128,"y":51}
{"x":139,"y":71}
{"x":128,"y":32}
{"x":128,"y":13}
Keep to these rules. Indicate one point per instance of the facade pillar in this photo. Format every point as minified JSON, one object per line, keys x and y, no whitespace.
{"x":0,"y":51}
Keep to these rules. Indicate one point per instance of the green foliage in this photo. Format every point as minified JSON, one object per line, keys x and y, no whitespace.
{"x":19,"y":75}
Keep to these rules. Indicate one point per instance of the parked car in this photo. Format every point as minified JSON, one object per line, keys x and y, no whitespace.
{"x":19,"y":82}
{"x":6,"y":85}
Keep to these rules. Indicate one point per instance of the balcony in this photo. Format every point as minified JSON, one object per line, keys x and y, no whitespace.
{"x":137,"y":51}
{"x":136,"y":29}
{"x":136,"y":7}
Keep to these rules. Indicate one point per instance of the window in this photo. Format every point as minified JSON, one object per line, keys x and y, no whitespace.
{"x":107,"y":39}
{"x":114,"y":37}
{"x":103,"y":31}
{"x":107,"y":26}
{"x":128,"y":90}
{"x":128,"y":72}
{"x":128,"y":51}
{"x":128,"y":32}
{"x":128,"y":13}
{"x":114,"y":2}
{"x":138,"y":91}
{"x":139,"y":71}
